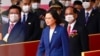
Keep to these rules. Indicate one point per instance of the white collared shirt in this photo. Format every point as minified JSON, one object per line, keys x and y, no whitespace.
{"x":50,"y":34}
{"x":88,"y":12}
{"x":12,"y":23}
{"x":26,"y":16}
{"x":72,"y":26}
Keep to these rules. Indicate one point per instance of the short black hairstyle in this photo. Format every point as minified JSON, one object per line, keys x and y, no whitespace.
{"x":22,"y":1}
{"x":15,"y":7}
{"x":55,"y":15}
{"x":77,"y":3}
{"x":74,"y":9}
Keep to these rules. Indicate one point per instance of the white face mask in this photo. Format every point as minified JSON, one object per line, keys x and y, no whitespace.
{"x":26,"y":8}
{"x":35,"y":5}
{"x":69,"y":18}
{"x":13,"y":17}
{"x":67,"y":3}
{"x":86,"y":5}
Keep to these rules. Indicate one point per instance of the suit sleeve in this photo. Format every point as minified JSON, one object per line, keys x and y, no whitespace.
{"x":84,"y":39}
{"x":65,"y":42}
{"x":36,"y":35}
{"x":41,"y":48}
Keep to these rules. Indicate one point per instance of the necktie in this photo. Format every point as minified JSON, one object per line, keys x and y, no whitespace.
{"x":24,"y":16}
{"x":10,"y":28}
{"x":68,"y":29}
{"x":87,"y":16}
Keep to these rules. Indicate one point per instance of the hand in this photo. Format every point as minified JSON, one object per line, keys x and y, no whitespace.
{"x":0,"y":36}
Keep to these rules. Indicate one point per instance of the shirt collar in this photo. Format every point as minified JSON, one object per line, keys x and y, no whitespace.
{"x":72,"y":24}
{"x":88,"y":11}
{"x":12,"y":23}
{"x":22,"y":13}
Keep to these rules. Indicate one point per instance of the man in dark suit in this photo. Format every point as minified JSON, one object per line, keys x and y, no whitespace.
{"x":90,"y":17}
{"x":30,"y":20}
{"x":78,"y":36}
{"x":13,"y":32}
{"x":39,"y":12}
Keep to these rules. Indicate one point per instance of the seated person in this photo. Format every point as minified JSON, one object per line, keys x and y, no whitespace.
{"x":12,"y":32}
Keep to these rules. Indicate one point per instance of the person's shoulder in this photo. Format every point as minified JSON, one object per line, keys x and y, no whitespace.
{"x":47,"y":27}
{"x":5,"y":24}
{"x":41,"y":9}
{"x":80,"y":25}
{"x":33,"y":15}
{"x":61,"y":27}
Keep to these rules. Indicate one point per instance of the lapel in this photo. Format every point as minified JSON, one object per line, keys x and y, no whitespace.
{"x":65,"y":26}
{"x":54,"y":36}
{"x":46,"y":35}
{"x":75,"y":26}
{"x":29,"y":17}
{"x":84,"y":16}
{"x":5,"y":29}
{"x":91,"y":16}
{"x":15,"y":31}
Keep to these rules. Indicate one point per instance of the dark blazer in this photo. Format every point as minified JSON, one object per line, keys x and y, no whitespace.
{"x":32,"y":27}
{"x":79,"y":42}
{"x":59,"y":45}
{"x":92,"y":25}
{"x":40,"y":14}
{"x":16,"y":35}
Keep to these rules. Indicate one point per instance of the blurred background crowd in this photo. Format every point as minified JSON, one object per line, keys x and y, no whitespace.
{"x":25,"y":20}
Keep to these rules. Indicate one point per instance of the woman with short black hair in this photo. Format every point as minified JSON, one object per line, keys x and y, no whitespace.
{"x":54,"y":39}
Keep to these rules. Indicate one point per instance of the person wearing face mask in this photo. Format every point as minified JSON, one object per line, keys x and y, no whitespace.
{"x":4,"y":14}
{"x":35,"y":8}
{"x":65,"y":2}
{"x":12,"y":32}
{"x":54,"y":40}
{"x":30,"y":21}
{"x":78,"y":37}
{"x":90,"y":17}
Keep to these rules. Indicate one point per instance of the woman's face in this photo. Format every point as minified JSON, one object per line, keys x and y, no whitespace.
{"x":49,"y":19}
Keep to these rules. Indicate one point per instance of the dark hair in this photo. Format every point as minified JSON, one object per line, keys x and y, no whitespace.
{"x":89,"y":1}
{"x":36,"y":1}
{"x":55,"y":15}
{"x":22,"y":1}
{"x":74,"y":9}
{"x":15,"y":7}
{"x":77,"y":3}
